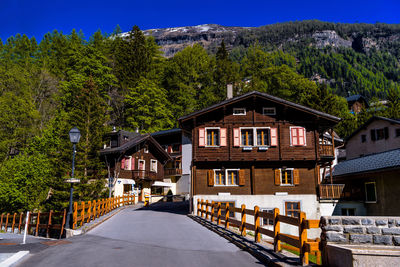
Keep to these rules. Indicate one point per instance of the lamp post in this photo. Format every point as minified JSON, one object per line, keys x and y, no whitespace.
{"x":74,"y":136}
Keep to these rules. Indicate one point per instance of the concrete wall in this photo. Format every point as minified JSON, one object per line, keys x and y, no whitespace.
{"x":183,"y":185}
{"x":355,"y":148}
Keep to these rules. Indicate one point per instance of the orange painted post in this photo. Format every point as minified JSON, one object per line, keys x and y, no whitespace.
{"x":277,"y":228}
{"x":243,"y":221}
{"x":227,"y":216}
{"x":202,"y":208}
{"x":212,"y":210}
{"x":6,"y":228}
{"x":63,"y":224}
{"x":37,"y":223}
{"x":303,"y":239}
{"x":198,"y":208}
{"x":20,"y":222}
{"x":256,"y":224}
{"x":89,"y":211}
{"x":219,"y":213}
{"x":13,"y":223}
{"x":83,"y":213}
{"x":75,"y":215}
{"x":94,"y":204}
{"x":1,"y":221}
{"x":206,"y":209}
{"x":49,"y":224}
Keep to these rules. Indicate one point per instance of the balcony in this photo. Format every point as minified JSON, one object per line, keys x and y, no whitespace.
{"x":326,"y":150}
{"x":138,"y":174}
{"x":330,"y":191}
{"x":172,"y":171}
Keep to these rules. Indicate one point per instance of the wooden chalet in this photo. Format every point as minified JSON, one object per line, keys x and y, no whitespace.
{"x":259,"y":149}
{"x":134,"y":161}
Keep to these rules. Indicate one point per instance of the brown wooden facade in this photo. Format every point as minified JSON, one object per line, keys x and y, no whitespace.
{"x":259,"y":166}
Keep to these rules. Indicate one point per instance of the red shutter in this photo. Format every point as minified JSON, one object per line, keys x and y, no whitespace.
{"x":202,"y":140}
{"x":302,"y":136}
{"x":132,"y":163}
{"x":274,"y":137}
{"x":222,"y":137}
{"x":236,"y":137}
{"x":123,"y":163}
{"x":169,"y":149}
{"x":294,"y":140}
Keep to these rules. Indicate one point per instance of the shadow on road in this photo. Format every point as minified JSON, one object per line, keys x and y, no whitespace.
{"x":180,"y":208}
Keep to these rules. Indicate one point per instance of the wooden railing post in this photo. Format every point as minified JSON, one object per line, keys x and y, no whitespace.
{"x":219,"y":213}
{"x":83,"y":213}
{"x":303,"y":239}
{"x":89,"y":211}
{"x":75,"y":215}
{"x":206,"y":209}
{"x":256,"y":224}
{"x":243,"y":221}
{"x":318,"y":254}
{"x":6,"y":228}
{"x":212,"y":211}
{"x":13,"y":223}
{"x":202,"y":208}
{"x":1,"y":221}
{"x":37,"y":223}
{"x":198,"y":207}
{"x":49,"y":224}
{"x":227,"y":216}
{"x":277,"y":228}
{"x":21,"y":215}
{"x":63,"y":223}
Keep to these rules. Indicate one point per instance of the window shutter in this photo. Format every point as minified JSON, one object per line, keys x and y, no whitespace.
{"x":132,"y":163}
{"x":210,"y":177}
{"x":296,"y":177}
{"x":277,"y":176}
{"x":274,"y":136}
{"x":302,"y":136}
{"x":236,"y":137}
{"x":123,"y":163}
{"x":386,"y":132}
{"x":373,"y":138}
{"x":202,"y":139}
{"x":222,"y":140}
{"x":294,"y":137}
{"x":242,"y":180}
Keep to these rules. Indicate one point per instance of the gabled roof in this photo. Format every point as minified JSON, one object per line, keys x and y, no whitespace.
{"x":137,"y":140}
{"x":354,"y":98}
{"x":264,"y":96}
{"x":167,"y":132}
{"x":374,"y":118}
{"x":374,"y":162}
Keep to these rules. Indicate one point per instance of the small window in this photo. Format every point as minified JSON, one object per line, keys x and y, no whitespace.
{"x":232,"y":177}
{"x":287,"y":177}
{"x":212,"y":137}
{"x":348,"y":211}
{"x":397,"y":132}
{"x":127,"y":188}
{"x":380,"y":134}
{"x":363,"y":138}
{"x":153,"y":165}
{"x":219,"y":177}
{"x":265,"y":221}
{"x":292,"y":209}
{"x":247,"y":137}
{"x":269,"y":111}
{"x":263,"y":137}
{"x":239,"y":111}
{"x":226,"y":177}
{"x":297,"y":136}
{"x":370,"y":192}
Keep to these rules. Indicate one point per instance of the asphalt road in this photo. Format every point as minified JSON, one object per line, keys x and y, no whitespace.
{"x":161,"y":236}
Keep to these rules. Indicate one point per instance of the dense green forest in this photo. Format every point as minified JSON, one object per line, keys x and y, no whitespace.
{"x":66,"y":80}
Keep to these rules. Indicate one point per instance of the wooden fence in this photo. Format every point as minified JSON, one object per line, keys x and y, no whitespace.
{"x":213,"y":210}
{"x":85,"y":212}
{"x":49,"y":224}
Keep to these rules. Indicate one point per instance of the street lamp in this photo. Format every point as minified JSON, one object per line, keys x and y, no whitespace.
{"x":74,"y":136}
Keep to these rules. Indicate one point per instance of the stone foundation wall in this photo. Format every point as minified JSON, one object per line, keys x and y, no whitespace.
{"x":361,"y":230}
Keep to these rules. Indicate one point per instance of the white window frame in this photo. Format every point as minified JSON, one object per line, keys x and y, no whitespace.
{"x":239,"y":109}
{"x":240,"y":134}
{"x":129,"y":163}
{"x":144,"y":164}
{"x":226,"y":177}
{"x":366,"y":197}
{"x":269,"y":114}
{"x":287,"y":169}
{"x":262,"y":219}
{"x":261,"y":128}
{"x":151,"y":165}
{"x":255,"y":144}
{"x":305,"y":136}
{"x":205,"y":135}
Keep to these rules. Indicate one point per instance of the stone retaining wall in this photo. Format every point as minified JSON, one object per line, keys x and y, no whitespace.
{"x":361,"y":230}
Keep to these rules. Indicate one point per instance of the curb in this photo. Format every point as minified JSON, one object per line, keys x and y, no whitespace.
{"x":14,"y":258}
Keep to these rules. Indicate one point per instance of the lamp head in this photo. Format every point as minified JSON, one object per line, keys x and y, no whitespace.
{"x":74,"y":135}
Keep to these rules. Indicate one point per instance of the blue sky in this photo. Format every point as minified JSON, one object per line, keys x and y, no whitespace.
{"x":35,"y":18}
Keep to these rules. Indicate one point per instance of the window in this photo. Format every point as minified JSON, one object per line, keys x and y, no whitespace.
{"x":141,"y":164}
{"x":212,"y":136}
{"x":370,"y":192}
{"x":247,"y":137}
{"x":379,"y":134}
{"x":286,"y":176}
{"x":397,"y":132}
{"x":297,"y":136}
{"x":363,"y":138}
{"x":157,"y":190}
{"x":239,"y":111}
{"x":292,"y":209}
{"x":348,"y":211}
{"x":153,"y":165}
{"x":265,"y":221}
{"x":226,"y":178}
{"x":219,"y":177}
{"x":127,"y":188}
{"x":269,"y":111}
{"x":263,"y":137}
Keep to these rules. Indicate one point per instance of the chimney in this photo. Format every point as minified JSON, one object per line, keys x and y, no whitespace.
{"x":229,"y":91}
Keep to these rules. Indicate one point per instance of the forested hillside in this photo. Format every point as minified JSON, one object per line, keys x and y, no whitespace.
{"x":63,"y":81}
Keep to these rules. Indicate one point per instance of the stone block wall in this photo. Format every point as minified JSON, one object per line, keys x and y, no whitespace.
{"x":361,"y":230}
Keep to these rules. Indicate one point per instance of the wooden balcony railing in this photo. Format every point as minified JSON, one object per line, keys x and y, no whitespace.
{"x":172,"y":171}
{"x":331,"y":191}
{"x":138,"y":174}
{"x":326,"y":150}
